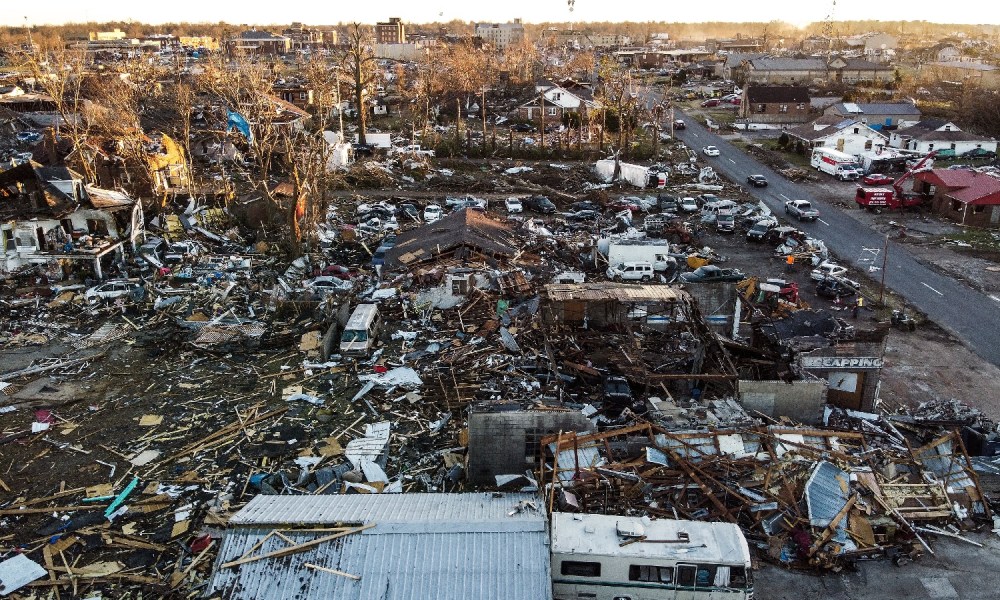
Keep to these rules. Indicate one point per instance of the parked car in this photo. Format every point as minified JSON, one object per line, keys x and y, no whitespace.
{"x":760,"y":229}
{"x":432,"y":213}
{"x":801,"y":209}
{"x":757,"y":180}
{"x":540,"y":204}
{"x":112,"y":290}
{"x":710,"y":103}
{"x":631,"y":271}
{"x":178,"y":251}
{"x":28,"y":136}
{"x":340,"y":272}
{"x":835,"y":288}
{"x":725,"y":222}
{"x":585,"y":205}
{"x":979,"y":153}
{"x":581,"y":216}
{"x":688,"y":205}
{"x":410,"y":210}
{"x":827,"y":269}
{"x":626,"y":203}
{"x":513,"y":205}
{"x":523,"y":127}
{"x":712,"y":274}
{"x":324,"y":284}
{"x":617,"y":391}
{"x":877,"y":179}
{"x":152,"y":250}
{"x":710,"y":151}
{"x":679,"y":124}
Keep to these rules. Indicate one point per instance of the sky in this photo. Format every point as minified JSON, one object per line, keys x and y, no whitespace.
{"x":690,"y":11}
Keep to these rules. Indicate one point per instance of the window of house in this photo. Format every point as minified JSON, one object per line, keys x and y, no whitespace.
{"x":580,"y":569}
{"x":930,"y":147}
{"x":978,"y":209}
{"x":651,"y":573}
{"x":783,"y":108}
{"x":857,"y":130}
{"x":868,"y":145}
{"x":7,"y":238}
{"x":302,"y":95}
{"x":761,"y":108}
{"x":552,"y":111}
{"x":557,"y":96}
{"x":956,"y":206}
{"x":800,"y":106}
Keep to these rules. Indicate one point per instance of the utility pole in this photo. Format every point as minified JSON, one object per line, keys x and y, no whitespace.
{"x":482,"y":110}
{"x":541,"y":113}
{"x":885,"y":259}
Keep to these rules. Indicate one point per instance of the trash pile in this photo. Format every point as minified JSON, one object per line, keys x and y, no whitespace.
{"x":805,"y":497}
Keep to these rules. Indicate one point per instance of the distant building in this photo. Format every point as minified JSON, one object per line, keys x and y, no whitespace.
{"x":979,"y":74}
{"x":391,"y":32}
{"x":501,"y":35}
{"x":108,"y":36}
{"x":584,"y":40}
{"x":303,"y":38}
{"x":877,"y":115}
{"x":804,"y":71}
{"x":737,"y":44}
{"x":258,"y":42}
{"x":199,"y":41}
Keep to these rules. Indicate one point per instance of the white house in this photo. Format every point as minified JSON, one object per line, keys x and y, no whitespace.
{"x":938,"y":134}
{"x":559,"y":101}
{"x":48,"y":217}
{"x":845,"y":135}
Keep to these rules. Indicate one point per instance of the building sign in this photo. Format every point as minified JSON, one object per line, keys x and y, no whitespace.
{"x":842,"y":362}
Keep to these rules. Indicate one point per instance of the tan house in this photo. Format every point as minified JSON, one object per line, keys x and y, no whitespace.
{"x":974,"y":73}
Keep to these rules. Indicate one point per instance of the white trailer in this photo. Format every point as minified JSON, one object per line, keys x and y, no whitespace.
{"x":605,"y":557}
{"x":655,"y":252}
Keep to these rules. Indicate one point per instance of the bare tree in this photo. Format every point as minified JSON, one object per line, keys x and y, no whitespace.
{"x":617,"y":94}
{"x":358,"y":59}
{"x":60,"y":75}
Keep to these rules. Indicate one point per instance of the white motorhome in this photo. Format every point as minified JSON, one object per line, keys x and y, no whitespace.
{"x":361,"y":331}
{"x":606,"y":557}
{"x":655,"y":252}
{"x":841,"y":165}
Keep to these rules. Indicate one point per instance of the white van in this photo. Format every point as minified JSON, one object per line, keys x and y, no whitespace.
{"x":631,"y":271}
{"x":714,"y":208}
{"x":361,"y":331}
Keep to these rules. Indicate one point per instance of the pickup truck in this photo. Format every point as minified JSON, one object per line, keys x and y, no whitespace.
{"x":801,"y":209}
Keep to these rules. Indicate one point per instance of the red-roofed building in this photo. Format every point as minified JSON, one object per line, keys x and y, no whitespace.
{"x":963,"y":195}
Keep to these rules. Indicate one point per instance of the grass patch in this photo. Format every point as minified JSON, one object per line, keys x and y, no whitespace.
{"x":978,"y":239}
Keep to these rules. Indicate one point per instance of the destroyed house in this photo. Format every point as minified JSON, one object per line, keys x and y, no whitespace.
{"x":392,"y":546}
{"x":678,"y":351}
{"x":962,"y":195}
{"x":466,"y":234}
{"x":50,"y":217}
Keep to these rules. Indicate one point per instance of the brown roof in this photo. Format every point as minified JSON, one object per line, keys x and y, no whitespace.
{"x":793,"y":94}
{"x":468,"y":228}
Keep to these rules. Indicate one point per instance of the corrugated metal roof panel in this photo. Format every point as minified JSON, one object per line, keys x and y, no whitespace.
{"x":623,"y":292}
{"x":826,"y":494}
{"x":441,"y":546}
{"x":379,"y":508}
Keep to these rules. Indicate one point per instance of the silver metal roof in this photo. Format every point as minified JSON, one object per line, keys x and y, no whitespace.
{"x":826,"y":494}
{"x":442,"y":546}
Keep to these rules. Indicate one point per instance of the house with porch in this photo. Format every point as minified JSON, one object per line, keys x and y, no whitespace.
{"x":50,"y":218}
{"x":845,"y":135}
{"x":560,"y":100}
{"x":939,"y":134}
{"x":962,"y":195}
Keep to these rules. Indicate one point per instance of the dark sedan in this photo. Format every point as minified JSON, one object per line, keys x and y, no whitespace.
{"x":757,"y":180}
{"x":712,"y":274}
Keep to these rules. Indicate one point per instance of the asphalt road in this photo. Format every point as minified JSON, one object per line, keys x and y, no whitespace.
{"x":968,"y":314}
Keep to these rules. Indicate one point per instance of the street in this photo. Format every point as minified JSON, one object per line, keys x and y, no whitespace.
{"x":966,"y":313}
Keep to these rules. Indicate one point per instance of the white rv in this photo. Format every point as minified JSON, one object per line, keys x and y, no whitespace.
{"x":605,"y":557}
